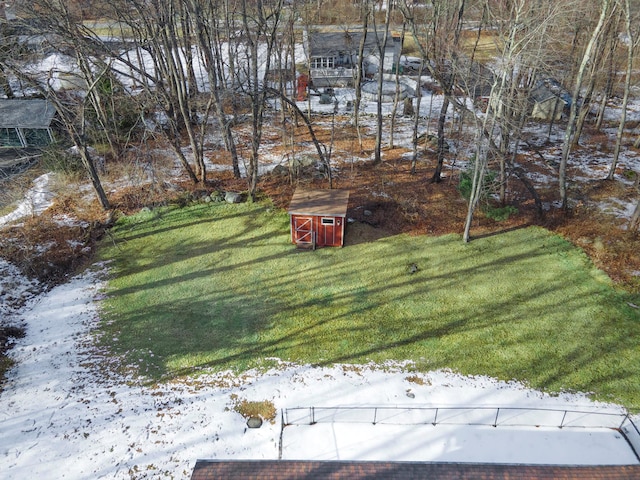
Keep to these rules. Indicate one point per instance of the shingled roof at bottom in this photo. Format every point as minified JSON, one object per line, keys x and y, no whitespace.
{"x":294,"y":469}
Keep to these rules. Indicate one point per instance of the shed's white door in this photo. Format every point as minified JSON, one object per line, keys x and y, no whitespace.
{"x":303,"y":230}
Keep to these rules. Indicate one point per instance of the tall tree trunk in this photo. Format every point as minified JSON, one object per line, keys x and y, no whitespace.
{"x":627,"y":88}
{"x":90,"y":167}
{"x":476,"y":191}
{"x":442,"y":118}
{"x":571,"y":123}
{"x":208,"y":39}
{"x":382,"y":47}
{"x":258,"y":28}
{"x":396,"y":98}
{"x":635,"y":218}
{"x":360,"y":73}
{"x":416,"y":120}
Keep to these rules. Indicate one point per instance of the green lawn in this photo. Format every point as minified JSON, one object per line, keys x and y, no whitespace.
{"x":219,"y":286}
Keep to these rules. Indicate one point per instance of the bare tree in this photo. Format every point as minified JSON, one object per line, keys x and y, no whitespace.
{"x":161,"y":61}
{"x":631,"y":40}
{"x":436,"y":31}
{"x":59,"y":27}
{"x":570,"y":131}
{"x":396,"y":97}
{"x":416,"y":120}
{"x":365,"y":12}
{"x":381,"y":45}
{"x":524,"y":29}
{"x":593,"y":74}
{"x":71,"y":111}
{"x":260,"y":24}
{"x":207,"y":27}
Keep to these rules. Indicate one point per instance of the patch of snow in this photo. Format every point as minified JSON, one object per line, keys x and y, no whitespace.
{"x":15,"y":290}
{"x":546,"y":206}
{"x":35,"y":201}
{"x":68,"y":221}
{"x":381,"y":194}
{"x":618,"y":207}
{"x":64,"y":414}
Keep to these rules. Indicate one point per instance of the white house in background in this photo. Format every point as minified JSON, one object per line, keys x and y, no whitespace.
{"x":333,"y":56}
{"x":26,"y":123}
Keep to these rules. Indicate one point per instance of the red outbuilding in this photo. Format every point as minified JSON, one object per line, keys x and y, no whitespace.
{"x":317,"y":217}
{"x":303,"y":85}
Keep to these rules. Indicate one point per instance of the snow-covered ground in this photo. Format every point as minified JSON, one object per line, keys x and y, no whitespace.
{"x":35,"y":201}
{"x":63,"y":415}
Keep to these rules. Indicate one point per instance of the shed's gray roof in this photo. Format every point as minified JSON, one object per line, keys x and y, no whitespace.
{"x":541,"y":94}
{"x":549,"y":88}
{"x":32,"y":113}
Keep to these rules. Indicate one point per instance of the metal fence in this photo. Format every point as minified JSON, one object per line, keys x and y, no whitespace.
{"x":491,"y":416}
{"x":470,"y":416}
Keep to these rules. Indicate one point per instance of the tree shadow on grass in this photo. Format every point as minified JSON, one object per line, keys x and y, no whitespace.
{"x":329,"y":307}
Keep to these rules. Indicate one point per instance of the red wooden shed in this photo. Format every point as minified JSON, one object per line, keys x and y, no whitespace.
{"x":317,"y":217}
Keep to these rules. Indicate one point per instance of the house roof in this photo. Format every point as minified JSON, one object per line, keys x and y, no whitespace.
{"x":319,"y":202}
{"x":322,"y":44}
{"x":307,"y":470}
{"x":31,"y":113}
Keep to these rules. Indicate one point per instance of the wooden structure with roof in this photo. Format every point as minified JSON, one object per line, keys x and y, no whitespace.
{"x":549,"y":99}
{"x":317,"y":217}
{"x":26,"y":123}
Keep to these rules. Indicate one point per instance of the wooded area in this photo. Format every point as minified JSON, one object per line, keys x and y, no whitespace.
{"x":173,"y":70}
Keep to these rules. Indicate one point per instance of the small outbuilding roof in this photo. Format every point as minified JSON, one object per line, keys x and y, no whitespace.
{"x":319,"y":202}
{"x":28,"y":113}
{"x":547,"y":89}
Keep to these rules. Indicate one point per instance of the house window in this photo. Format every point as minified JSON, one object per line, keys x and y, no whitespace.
{"x":344,"y":60}
{"x":327,"y":221}
{"x":322,"y":62}
{"x":37,"y":137}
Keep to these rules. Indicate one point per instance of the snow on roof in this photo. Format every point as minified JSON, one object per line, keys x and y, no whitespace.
{"x":31,"y":113}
